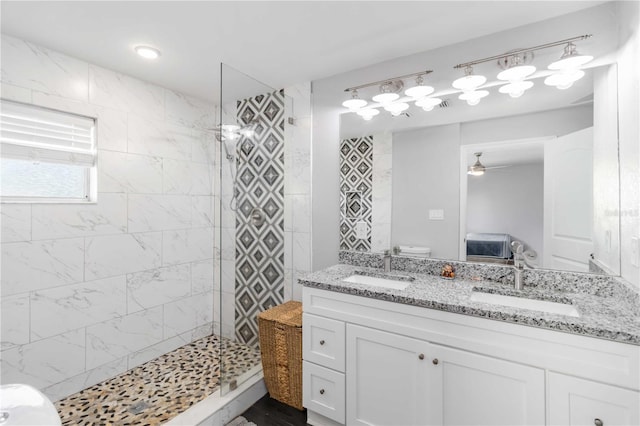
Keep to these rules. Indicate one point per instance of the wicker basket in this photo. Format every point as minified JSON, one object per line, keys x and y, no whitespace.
{"x":281,"y":348}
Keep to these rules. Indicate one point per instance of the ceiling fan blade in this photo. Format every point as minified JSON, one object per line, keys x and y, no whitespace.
{"x":497,"y":167}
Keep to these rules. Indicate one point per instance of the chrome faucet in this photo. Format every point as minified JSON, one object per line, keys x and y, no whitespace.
{"x":387,"y":261}
{"x":517,"y":248}
{"x":518,"y":272}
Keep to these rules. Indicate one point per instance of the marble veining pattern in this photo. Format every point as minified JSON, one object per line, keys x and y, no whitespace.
{"x":91,"y":289}
{"x":61,"y":309}
{"x":609,"y":316}
{"x":42,"y":69}
{"x":166,"y":386}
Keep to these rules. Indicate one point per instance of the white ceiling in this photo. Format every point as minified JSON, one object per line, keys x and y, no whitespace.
{"x":279,"y":43}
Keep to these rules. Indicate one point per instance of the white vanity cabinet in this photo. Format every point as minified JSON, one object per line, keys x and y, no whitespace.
{"x":472,"y":389}
{"x":398,"y":380}
{"x":407,"y":365}
{"x":388,"y":378}
{"x":577,"y":402}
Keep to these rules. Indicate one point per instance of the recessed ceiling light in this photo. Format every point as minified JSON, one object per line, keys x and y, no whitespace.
{"x":147,"y":52}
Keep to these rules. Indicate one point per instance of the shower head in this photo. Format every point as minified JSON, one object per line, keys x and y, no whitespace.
{"x":228,"y":134}
{"x":232,"y":132}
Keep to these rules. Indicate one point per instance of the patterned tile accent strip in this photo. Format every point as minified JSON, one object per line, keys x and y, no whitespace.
{"x":160,"y":389}
{"x":356,"y":191}
{"x":259,"y":250}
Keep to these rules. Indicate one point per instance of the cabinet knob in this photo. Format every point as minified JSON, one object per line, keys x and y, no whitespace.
{"x":322,"y":342}
{"x":435,"y":361}
{"x":598,"y":422}
{"x":321,"y":391}
{"x":421,"y":356}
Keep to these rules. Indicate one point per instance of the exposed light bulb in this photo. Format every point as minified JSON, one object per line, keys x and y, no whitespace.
{"x":516,"y":89}
{"x":368,"y":113}
{"x":419,"y":91}
{"x":428,"y":102}
{"x":570,"y":59}
{"x":519,"y":72}
{"x":564,"y":80}
{"x":396,"y":108}
{"x":469,"y":82}
{"x":385,"y":98}
{"x":354,"y":103}
{"x":473,"y":97}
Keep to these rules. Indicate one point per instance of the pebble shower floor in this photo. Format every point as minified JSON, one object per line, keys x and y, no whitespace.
{"x":160,"y":389}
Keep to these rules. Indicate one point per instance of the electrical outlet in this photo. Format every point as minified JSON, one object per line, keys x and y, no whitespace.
{"x":436,"y":214}
{"x":635,"y":251}
{"x":361,"y":230}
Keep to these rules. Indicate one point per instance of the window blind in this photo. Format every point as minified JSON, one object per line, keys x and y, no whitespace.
{"x":29,"y":132}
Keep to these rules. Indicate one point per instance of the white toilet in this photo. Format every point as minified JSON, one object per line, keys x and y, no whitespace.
{"x":26,"y":405}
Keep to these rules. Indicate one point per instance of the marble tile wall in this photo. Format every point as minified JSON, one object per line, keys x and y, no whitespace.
{"x":381,"y":193}
{"x":297,"y":188}
{"x":91,"y":290}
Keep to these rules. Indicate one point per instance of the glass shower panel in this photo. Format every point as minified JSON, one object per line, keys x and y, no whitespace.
{"x":251,"y":227}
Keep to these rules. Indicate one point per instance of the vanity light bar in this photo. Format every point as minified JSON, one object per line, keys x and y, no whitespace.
{"x":521,"y":51}
{"x":388,"y":80}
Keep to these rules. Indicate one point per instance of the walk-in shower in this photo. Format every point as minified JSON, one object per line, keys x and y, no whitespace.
{"x":249,"y":144}
{"x":253,"y":136}
{"x":136,"y":307}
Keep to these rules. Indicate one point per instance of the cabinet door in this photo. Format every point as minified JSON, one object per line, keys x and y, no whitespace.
{"x":473,"y":389}
{"x":574,"y":401}
{"x":387,"y":378}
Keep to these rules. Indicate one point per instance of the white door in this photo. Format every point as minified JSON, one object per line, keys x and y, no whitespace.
{"x":474,"y":389}
{"x":387,"y":378}
{"x":574,"y":402}
{"x":568,"y":201}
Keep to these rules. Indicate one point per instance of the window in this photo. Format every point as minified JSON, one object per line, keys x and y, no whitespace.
{"x":46,"y":155}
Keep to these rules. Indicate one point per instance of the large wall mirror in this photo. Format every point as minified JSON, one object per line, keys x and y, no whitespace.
{"x":551,"y":176}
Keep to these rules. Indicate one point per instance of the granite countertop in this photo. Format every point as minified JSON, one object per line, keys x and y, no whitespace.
{"x":613,"y":318}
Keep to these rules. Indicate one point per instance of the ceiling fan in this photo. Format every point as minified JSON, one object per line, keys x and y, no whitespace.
{"x":478,"y":169}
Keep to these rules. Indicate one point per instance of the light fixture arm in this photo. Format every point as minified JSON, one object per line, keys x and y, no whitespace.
{"x":388,"y":80}
{"x":520,"y":51}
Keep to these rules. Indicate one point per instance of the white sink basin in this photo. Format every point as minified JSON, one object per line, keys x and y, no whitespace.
{"x":521,"y":302}
{"x":377,"y":281}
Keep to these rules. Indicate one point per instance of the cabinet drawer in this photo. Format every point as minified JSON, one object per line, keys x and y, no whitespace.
{"x":574,"y":401}
{"x":323,"y":341}
{"x":323,"y":391}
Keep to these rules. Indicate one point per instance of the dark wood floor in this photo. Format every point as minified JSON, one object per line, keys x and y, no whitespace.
{"x":269,"y":412}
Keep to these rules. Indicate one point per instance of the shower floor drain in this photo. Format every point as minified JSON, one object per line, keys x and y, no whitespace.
{"x":138,"y":407}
